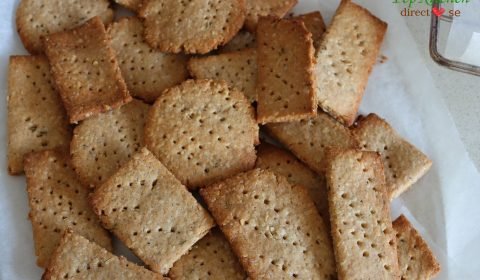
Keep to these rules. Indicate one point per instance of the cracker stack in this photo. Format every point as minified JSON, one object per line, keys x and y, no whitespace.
{"x":315,"y":204}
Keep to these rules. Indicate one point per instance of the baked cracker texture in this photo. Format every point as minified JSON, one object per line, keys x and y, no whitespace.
{"x":151,"y":212}
{"x":86,"y":71}
{"x":78,"y":258}
{"x":146,"y":71}
{"x":36,"y":117}
{"x":309,"y":139}
{"x":272,"y":226}
{"x":285,"y":81}
{"x":243,"y":40}
{"x":133,"y":5}
{"x":363,"y":239}
{"x":210,"y":258}
{"x":194,"y":26}
{"x":346,"y":56}
{"x":202,"y":131}
{"x":103,"y":143}
{"x":238,"y":69}
{"x":284,"y":163}
{"x":257,"y":9}
{"x":57,"y":202}
{"x":403,"y":163}
{"x":415,"y":259}
{"x":36,"y":19}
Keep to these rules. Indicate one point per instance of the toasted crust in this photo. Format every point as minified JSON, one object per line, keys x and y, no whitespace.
{"x":202,"y":131}
{"x":36,"y":117}
{"x":343,"y":68}
{"x":147,"y":208}
{"x":285,"y":84}
{"x":257,"y":9}
{"x":210,"y":258}
{"x":57,"y":202}
{"x":36,"y":19}
{"x":78,"y":258}
{"x":238,"y":69}
{"x":147,"y":72}
{"x":403,"y":163}
{"x":284,"y":163}
{"x":363,"y":238}
{"x":416,"y":260}
{"x":85,"y":70}
{"x":103,"y":143}
{"x":199,"y":26}
{"x":309,"y":140}
{"x":273,"y":227}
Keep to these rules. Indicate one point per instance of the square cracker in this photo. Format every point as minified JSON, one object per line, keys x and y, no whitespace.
{"x":273,"y":226}
{"x":147,"y":72}
{"x":78,"y":258}
{"x":363,"y":238}
{"x":238,"y":69}
{"x":154,"y":215}
{"x":345,"y":59}
{"x":210,"y":258}
{"x":415,"y":259}
{"x":57,"y":202}
{"x":403,"y":163}
{"x":257,"y":9}
{"x":284,"y":163}
{"x":309,"y":140}
{"x":36,"y":117}
{"x":285,"y":82}
{"x":86,"y":71}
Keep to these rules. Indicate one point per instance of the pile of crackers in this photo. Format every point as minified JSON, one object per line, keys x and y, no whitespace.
{"x":148,"y":128}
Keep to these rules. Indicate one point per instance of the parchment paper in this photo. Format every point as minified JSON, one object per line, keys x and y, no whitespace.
{"x":444,"y":205}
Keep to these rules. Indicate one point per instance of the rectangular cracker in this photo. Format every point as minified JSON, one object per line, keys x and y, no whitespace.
{"x":273,"y":226}
{"x":285,"y":82}
{"x":345,"y":59}
{"x":284,"y":163}
{"x":257,"y":9}
{"x":36,"y":118}
{"x":403,"y":163}
{"x":238,"y":69}
{"x":363,"y":238}
{"x":154,"y":215}
{"x":309,"y":140}
{"x":210,"y":258}
{"x":415,"y":259}
{"x":58,"y":201}
{"x":78,"y":258}
{"x":86,"y":71}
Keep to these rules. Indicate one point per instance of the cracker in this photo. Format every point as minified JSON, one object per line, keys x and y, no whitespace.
{"x":284,"y":163}
{"x":285,"y":84}
{"x":314,"y":23}
{"x":345,"y":59}
{"x":133,"y":5}
{"x":85,"y":70}
{"x":210,"y":258}
{"x":147,"y":72}
{"x":57,"y":202}
{"x":194,"y":26}
{"x":78,"y":258}
{"x":238,"y":69}
{"x":403,"y":163}
{"x":36,"y":19}
{"x":257,"y":9}
{"x":309,"y":140}
{"x":101,"y":144}
{"x":153,"y":214}
{"x":273,"y":227}
{"x":202,"y":131}
{"x":415,"y":259}
{"x":243,"y":40}
{"x":36,"y":117}
{"x":363,"y":238}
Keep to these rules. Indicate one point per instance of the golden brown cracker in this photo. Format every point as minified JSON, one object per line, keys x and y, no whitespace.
{"x":243,"y":40}
{"x":315,"y":25}
{"x":257,"y":9}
